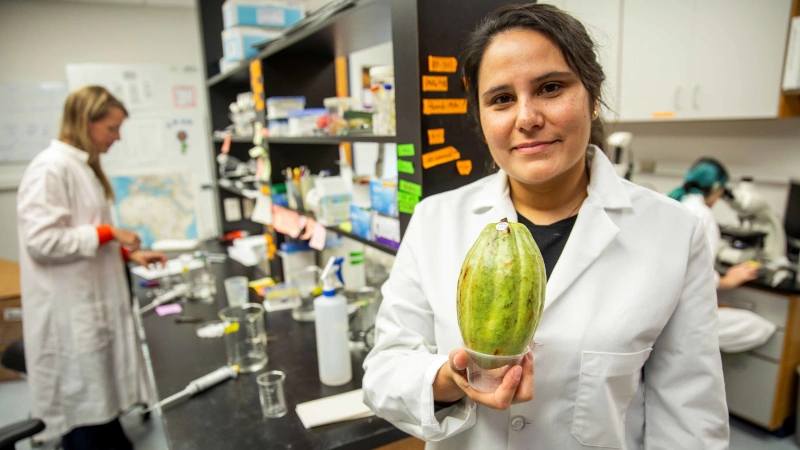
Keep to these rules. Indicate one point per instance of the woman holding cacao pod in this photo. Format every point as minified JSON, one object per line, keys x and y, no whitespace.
{"x":626,"y":350}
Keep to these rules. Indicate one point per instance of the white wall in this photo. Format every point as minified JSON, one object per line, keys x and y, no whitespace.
{"x":38,"y":38}
{"x":768,"y":150}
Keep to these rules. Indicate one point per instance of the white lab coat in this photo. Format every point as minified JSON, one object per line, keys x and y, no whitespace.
{"x":80,"y":343}
{"x":739,"y":329}
{"x":626,"y":354}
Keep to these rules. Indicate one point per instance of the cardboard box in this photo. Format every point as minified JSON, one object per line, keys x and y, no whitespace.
{"x":237,"y":42}
{"x":261,"y":13}
{"x":10,"y":311}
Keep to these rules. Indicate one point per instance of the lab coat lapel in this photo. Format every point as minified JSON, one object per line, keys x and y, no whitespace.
{"x":594,"y":230}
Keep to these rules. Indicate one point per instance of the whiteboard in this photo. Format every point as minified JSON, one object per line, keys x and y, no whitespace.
{"x":29,"y":118}
{"x":167,"y":128}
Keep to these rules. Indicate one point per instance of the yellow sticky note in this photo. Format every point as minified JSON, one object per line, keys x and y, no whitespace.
{"x":442,"y":64}
{"x":464,"y":167}
{"x":444,"y":106}
{"x":441,"y":156}
{"x":436,"y":136}
{"x":432,"y":83}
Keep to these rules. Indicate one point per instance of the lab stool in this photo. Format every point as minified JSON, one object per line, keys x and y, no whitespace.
{"x":13,"y":358}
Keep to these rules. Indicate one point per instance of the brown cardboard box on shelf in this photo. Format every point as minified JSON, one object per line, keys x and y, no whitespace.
{"x":10,"y":311}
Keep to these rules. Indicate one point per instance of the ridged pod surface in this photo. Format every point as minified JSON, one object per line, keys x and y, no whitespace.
{"x":501,"y":290}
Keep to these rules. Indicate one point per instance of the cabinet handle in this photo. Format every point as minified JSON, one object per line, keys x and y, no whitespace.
{"x":676,"y":98}
{"x":694,"y":97}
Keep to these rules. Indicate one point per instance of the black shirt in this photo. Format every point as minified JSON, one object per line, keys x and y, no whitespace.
{"x":551,"y":239}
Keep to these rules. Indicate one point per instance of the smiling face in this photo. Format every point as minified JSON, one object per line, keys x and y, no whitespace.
{"x":534,"y":110}
{"x":105,"y":131}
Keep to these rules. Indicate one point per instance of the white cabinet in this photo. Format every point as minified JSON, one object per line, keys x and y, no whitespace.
{"x":702,"y":59}
{"x":654,"y":59}
{"x":602,"y":21}
{"x":737,"y":62}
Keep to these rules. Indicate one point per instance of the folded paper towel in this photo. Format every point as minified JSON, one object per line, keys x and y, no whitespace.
{"x":337,"y":408}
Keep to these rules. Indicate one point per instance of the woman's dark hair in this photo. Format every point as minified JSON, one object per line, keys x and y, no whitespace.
{"x":563,"y":30}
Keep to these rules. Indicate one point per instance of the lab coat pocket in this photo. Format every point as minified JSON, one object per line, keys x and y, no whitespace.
{"x":90,"y":331}
{"x":608,"y":382}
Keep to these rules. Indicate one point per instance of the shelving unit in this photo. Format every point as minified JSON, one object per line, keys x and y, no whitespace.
{"x":303,"y":62}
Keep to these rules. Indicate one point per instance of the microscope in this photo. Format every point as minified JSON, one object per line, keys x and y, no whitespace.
{"x":759,"y":237}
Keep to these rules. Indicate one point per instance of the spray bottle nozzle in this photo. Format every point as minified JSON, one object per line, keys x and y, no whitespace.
{"x":334,"y":266}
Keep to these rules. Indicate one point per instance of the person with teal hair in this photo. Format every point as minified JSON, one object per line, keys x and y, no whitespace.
{"x":703,"y":185}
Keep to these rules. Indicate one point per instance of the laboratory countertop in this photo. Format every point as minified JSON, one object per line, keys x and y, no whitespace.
{"x":228,"y":416}
{"x":787,"y":287}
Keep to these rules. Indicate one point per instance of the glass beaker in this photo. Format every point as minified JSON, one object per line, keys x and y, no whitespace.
{"x":204,"y":283}
{"x":366,"y":301}
{"x":245,"y":336}
{"x":270,"y":392}
{"x":236,"y":290}
{"x":308,"y":283}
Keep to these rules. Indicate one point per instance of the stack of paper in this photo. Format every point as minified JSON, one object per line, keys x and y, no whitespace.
{"x":337,"y":408}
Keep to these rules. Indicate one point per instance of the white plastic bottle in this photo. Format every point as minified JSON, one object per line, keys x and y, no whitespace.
{"x":333,"y":346}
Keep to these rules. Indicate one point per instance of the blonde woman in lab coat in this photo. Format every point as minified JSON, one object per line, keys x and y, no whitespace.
{"x":704,"y":184}
{"x":626,"y":353}
{"x":80,"y":345}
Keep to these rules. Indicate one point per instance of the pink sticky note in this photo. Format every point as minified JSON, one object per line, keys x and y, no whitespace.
{"x":317,"y":241}
{"x":172,"y":308}
{"x":301,"y":225}
{"x":286,"y":222}
{"x":310,"y":226}
{"x":259,"y":167}
{"x":226,"y":144}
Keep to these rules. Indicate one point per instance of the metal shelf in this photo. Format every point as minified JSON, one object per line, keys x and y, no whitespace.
{"x":327,"y":140}
{"x":236,"y":139}
{"x":362,"y":24}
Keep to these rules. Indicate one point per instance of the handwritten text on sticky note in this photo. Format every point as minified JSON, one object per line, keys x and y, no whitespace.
{"x":411,"y":188}
{"x":441,"y":156}
{"x":405,"y":150}
{"x":444,"y":106}
{"x":464,"y":167}
{"x":446,"y":64}
{"x":436,"y":136}
{"x":434,"y":83}
{"x":405,"y":167}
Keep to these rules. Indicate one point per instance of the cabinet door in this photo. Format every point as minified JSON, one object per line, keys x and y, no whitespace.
{"x":750,"y":386}
{"x":655,"y":59}
{"x":737,"y":58}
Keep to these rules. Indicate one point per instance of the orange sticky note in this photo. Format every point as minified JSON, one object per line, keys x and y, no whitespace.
{"x":464,"y":167}
{"x":431,"y":83}
{"x":444,"y":106}
{"x":255,"y":68}
{"x":226,"y":144}
{"x":441,"y":156}
{"x":442,"y":64}
{"x":663,"y":115}
{"x":436,"y":136}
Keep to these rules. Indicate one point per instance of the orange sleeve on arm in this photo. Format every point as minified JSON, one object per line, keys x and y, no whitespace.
{"x":104,"y":234}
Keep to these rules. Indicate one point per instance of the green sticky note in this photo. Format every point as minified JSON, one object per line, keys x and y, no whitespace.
{"x":411,"y":188}
{"x":406,"y":208}
{"x":405,"y":150}
{"x":405,"y":167}
{"x":404,"y":197}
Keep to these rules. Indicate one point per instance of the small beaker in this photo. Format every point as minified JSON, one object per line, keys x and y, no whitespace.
{"x":270,"y":392}
{"x":236,"y":290}
{"x":363,"y":320}
{"x":485,"y":372}
{"x":245,"y":336}
{"x":204,"y":283}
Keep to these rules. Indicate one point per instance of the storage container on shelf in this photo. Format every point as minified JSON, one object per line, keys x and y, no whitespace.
{"x":382,"y":88}
{"x":304,"y":123}
{"x":336,"y":107}
{"x":280,"y":107}
{"x":237,"y":42}
{"x":262,"y":13}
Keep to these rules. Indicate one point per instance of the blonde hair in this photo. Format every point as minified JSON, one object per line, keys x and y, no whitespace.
{"x":84,"y":106}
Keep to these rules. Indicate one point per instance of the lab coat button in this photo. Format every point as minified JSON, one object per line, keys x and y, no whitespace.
{"x":517,"y":423}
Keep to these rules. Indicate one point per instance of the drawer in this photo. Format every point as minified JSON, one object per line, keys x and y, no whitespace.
{"x":773,"y":307}
{"x":750,"y":385}
{"x":773,"y":348}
